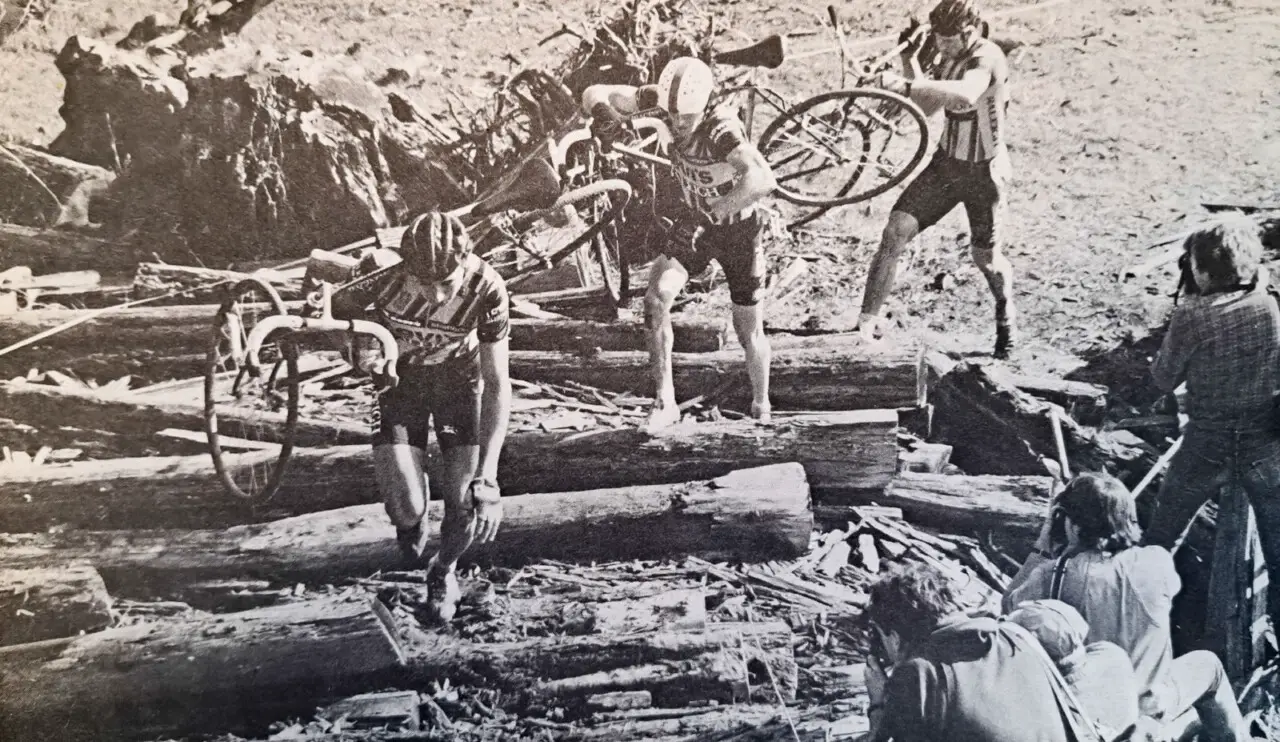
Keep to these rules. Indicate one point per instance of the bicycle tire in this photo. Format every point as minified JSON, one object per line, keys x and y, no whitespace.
{"x":587,"y":238}
{"x":226,"y":357}
{"x":860,"y":112}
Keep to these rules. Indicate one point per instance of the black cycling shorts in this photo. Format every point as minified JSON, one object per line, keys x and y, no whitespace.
{"x":947,"y":182}
{"x":737,"y":247}
{"x":447,"y":395}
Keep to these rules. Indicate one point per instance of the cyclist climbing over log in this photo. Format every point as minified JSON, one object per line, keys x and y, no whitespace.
{"x":971,"y":164}
{"x":722,"y":177}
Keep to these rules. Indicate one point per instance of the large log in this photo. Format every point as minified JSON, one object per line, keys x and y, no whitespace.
{"x":750,"y":515}
{"x":994,"y":428}
{"x":582,"y":336}
{"x":54,"y":251}
{"x":834,"y":372}
{"x":38,"y":189}
{"x":51,"y":601}
{"x":1011,"y":506}
{"x":181,"y":492}
{"x":196,"y":675}
{"x":36,"y":404}
{"x":728,"y":662}
{"x":150,"y":341}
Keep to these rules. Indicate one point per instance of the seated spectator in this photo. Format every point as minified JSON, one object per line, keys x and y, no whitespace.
{"x":1099,"y":674}
{"x":1088,"y":557}
{"x":953,"y":677}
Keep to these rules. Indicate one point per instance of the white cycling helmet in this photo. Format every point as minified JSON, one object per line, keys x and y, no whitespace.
{"x":685,"y":86}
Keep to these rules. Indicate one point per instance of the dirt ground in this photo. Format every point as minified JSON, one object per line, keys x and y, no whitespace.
{"x":1125,"y":116}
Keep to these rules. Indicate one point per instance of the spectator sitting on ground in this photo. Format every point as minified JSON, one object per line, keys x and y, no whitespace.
{"x":1088,"y":557}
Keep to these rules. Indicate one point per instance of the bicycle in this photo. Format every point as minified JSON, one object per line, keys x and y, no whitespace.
{"x":833,"y":149}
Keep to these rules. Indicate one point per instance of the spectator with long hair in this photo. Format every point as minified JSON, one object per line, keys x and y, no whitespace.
{"x":1090,"y":557}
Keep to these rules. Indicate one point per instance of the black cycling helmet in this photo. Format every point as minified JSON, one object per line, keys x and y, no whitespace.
{"x":435,"y":245}
{"x":949,"y":17}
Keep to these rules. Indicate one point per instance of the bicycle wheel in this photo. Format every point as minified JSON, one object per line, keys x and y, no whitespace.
{"x":250,"y":414}
{"x":845,"y":146}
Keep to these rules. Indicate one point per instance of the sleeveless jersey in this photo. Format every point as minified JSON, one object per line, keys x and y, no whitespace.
{"x":700,"y":163}
{"x":976,"y":134}
{"x":429,"y":333}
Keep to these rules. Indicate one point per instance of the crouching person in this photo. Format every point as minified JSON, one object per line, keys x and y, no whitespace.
{"x":1099,"y":674}
{"x":1089,"y":557}
{"x":952,"y":677}
{"x":449,"y":312}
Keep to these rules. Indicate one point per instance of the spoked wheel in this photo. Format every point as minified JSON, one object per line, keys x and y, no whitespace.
{"x":601,"y":261}
{"x":250,"y":414}
{"x":846,"y":146}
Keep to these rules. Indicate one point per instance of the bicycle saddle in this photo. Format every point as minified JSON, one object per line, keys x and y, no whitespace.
{"x":769,"y":52}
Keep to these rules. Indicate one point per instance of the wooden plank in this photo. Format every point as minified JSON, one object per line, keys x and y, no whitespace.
{"x":690,"y":335}
{"x":55,"y":251}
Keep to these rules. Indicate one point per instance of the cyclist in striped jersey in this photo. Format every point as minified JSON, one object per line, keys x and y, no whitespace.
{"x":449,"y":312}
{"x":721,"y":177}
{"x":970,"y":166}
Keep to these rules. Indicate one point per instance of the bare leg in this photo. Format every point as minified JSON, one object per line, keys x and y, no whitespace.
{"x":748,"y":323}
{"x":666,"y":278}
{"x":398,"y":472}
{"x":898,"y":232}
{"x":459,"y":468}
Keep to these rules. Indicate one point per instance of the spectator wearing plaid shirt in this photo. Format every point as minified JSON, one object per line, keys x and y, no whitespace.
{"x":1223,"y":342}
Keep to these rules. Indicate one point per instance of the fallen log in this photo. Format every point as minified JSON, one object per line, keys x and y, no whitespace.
{"x":157,"y":279}
{"x":151,"y":341}
{"x":994,"y":428}
{"x":1085,"y":402}
{"x":110,"y":344}
{"x":749,"y":515}
{"x":1014,"y":506}
{"x":181,"y":492}
{"x":51,"y":602}
{"x":55,"y":251}
{"x":196,"y":675}
{"x":726,"y":662}
{"x":690,"y":336}
{"x":833,"y":372}
{"x":36,"y":404}
{"x":43,"y":190}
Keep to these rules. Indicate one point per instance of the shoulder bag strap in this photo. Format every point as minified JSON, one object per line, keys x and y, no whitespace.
{"x":1059,"y":572}
{"x":1080,"y":726}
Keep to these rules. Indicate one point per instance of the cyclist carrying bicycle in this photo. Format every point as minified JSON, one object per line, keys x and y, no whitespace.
{"x":450,"y":313}
{"x":970,"y":167}
{"x":722,"y":177}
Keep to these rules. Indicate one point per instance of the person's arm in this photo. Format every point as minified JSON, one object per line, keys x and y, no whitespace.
{"x":755,"y":181}
{"x":1169,"y":369}
{"x":904,"y":715}
{"x":495,"y":405}
{"x":962,"y":93}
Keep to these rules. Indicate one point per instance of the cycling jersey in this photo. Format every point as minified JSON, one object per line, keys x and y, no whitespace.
{"x":976,"y":133}
{"x":701,"y":163}
{"x":429,"y":333}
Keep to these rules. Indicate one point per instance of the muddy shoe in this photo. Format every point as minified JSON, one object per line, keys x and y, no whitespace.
{"x":412,"y":542}
{"x":762,"y":413}
{"x":1006,"y":339}
{"x":443,"y":594}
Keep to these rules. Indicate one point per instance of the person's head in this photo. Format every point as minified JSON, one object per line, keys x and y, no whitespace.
{"x":1059,"y":628}
{"x":910,"y":601}
{"x":435,"y":248}
{"x":1226,"y":254}
{"x":956,"y":25}
{"x":684,"y":90}
{"x":1100,"y":513}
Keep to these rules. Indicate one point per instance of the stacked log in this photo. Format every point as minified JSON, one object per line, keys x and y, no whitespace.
{"x":749,"y":515}
{"x":38,"y":189}
{"x":181,"y":491}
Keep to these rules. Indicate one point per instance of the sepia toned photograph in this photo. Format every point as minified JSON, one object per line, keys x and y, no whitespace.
{"x":656,"y":370}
